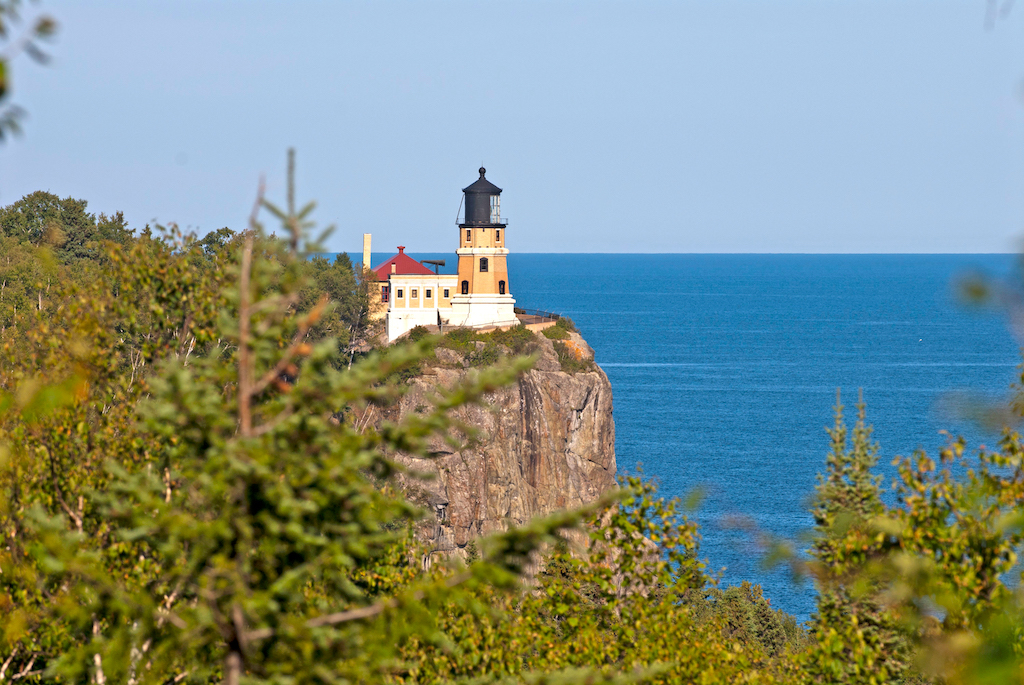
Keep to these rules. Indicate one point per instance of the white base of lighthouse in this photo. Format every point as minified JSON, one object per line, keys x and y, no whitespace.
{"x":480,"y":311}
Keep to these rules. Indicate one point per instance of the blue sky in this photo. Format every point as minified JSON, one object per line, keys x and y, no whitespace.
{"x":726,"y":126}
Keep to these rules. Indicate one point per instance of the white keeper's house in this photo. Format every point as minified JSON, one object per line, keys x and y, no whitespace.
{"x":478,"y":296}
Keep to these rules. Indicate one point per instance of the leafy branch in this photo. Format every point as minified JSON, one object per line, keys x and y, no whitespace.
{"x":19,"y":40}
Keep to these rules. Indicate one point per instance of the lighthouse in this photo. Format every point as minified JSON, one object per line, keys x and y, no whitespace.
{"x":483,"y":296}
{"x":478,"y":296}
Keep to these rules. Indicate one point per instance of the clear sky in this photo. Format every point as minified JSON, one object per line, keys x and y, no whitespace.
{"x":627,"y":126}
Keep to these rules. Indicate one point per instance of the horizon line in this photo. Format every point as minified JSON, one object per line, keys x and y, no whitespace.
{"x":936,"y":254}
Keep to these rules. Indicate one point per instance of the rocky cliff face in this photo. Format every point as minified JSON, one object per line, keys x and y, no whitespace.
{"x":545,"y":443}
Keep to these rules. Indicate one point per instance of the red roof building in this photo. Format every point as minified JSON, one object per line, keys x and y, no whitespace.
{"x":401,"y":263}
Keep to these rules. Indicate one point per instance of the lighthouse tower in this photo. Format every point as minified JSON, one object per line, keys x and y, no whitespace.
{"x":482,"y":294}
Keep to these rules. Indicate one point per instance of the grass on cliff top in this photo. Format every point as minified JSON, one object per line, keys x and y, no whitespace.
{"x":560,"y":331}
{"x":482,"y":349}
{"x":518,"y":341}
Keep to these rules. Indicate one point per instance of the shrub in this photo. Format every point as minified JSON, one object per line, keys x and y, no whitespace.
{"x":519,"y":339}
{"x":747,"y":617}
{"x":555,"y":332}
{"x":489,"y":355}
{"x":566,"y":324}
{"x":570,"y":358}
{"x":460,"y":339}
{"x":417,"y":333}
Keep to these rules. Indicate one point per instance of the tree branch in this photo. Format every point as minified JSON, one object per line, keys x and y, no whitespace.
{"x":293,"y":349}
{"x":233,"y":669}
{"x":99,"y":678}
{"x":27,"y":671}
{"x":7,"y":662}
{"x":360,"y":613}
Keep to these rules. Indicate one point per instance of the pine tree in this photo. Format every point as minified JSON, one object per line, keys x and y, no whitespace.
{"x":856,"y":638}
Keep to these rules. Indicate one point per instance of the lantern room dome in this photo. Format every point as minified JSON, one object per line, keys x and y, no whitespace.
{"x":483,"y":203}
{"x":482,"y":185}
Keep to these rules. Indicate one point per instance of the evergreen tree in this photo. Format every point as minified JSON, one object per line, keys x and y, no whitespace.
{"x":856,"y":638}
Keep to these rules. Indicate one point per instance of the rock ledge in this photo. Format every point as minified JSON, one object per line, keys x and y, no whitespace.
{"x":545,"y":443}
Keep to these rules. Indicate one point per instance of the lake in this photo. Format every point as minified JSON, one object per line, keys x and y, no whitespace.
{"x":724,"y":370}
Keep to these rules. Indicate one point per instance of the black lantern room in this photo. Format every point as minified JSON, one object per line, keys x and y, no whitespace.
{"x":483,"y":203}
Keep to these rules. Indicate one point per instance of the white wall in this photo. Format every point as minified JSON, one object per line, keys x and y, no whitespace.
{"x":400,"y":320}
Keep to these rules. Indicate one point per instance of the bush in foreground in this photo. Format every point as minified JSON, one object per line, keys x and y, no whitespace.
{"x":183,"y":500}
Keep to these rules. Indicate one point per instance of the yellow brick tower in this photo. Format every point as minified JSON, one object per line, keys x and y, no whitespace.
{"x":483,"y":295}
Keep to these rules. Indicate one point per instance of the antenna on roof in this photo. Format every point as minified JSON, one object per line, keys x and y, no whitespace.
{"x":438,"y":263}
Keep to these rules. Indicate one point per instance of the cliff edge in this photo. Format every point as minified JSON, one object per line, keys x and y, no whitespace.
{"x":545,"y":443}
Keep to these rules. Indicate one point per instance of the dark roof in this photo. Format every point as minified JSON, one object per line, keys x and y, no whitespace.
{"x":482,"y":185}
{"x":404,"y":264}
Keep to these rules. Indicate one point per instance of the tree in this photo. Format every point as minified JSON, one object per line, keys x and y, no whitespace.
{"x":918,"y":589}
{"x":336,"y":279}
{"x":857,"y":638}
{"x":230,"y":530}
{"x":64,"y":226}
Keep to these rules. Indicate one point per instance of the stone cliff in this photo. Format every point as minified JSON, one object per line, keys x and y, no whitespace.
{"x":546,"y":442}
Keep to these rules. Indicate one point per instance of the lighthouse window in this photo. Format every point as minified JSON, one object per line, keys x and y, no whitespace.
{"x":469,"y":235}
{"x":465,"y":287}
{"x":483,"y":264}
{"x":495,"y":209}
{"x":501,"y":287}
{"x":497,"y":235}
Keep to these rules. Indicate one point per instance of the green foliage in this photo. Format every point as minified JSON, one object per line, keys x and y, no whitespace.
{"x":566,"y":324}
{"x":746,"y":616}
{"x":184,"y":497}
{"x":918,"y":589}
{"x":484,"y":349}
{"x":234,"y":526}
{"x":418,"y":333}
{"x":47,"y":246}
{"x":183,"y":503}
{"x":77,"y":370}
{"x":858,"y":638}
{"x":561,"y":329}
{"x":461,"y":340}
{"x":337,"y":282}
{"x":517,"y":339}
{"x":571,"y":358}
{"x":42,"y":218}
{"x":216,"y":243}
{"x":616,"y":605}
{"x":555,"y":333}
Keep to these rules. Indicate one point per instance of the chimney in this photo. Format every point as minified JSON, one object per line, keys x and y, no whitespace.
{"x":366,"y":250}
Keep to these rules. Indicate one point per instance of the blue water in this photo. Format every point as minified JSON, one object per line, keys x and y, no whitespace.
{"x":724,"y":370}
